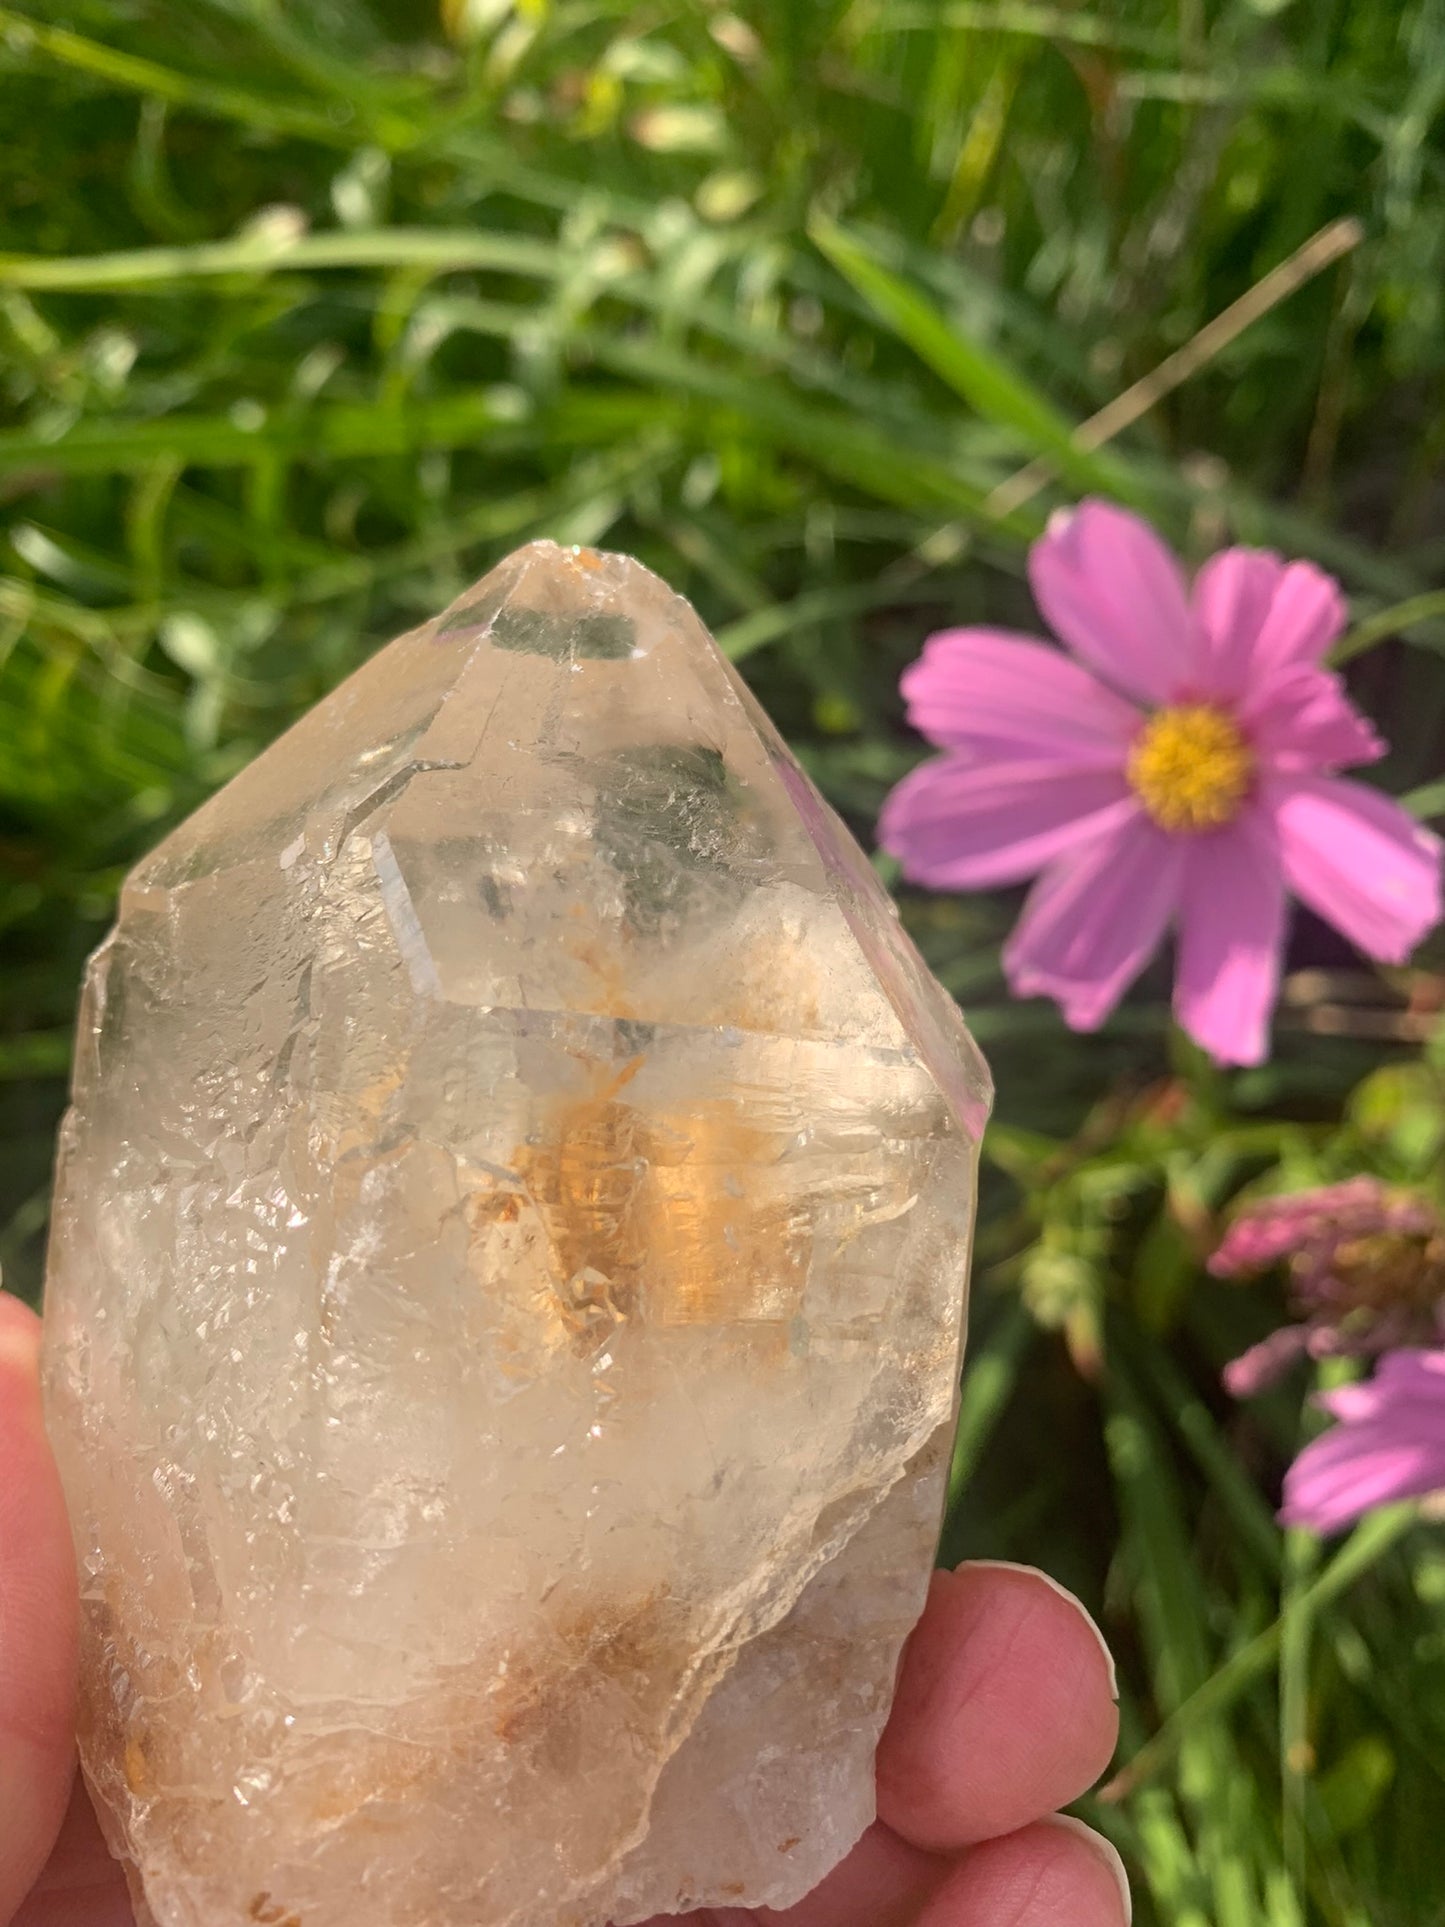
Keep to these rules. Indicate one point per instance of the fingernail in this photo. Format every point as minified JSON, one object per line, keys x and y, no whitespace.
{"x":1032,"y":1572}
{"x":1105,"y":1850}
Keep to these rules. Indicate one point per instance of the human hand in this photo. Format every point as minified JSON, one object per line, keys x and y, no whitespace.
{"x":1004,"y":1712}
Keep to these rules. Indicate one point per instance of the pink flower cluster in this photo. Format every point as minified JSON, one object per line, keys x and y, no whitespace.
{"x":1366,"y":1272}
{"x":1177,"y":768}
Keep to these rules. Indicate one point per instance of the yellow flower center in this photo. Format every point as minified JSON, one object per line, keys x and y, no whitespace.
{"x":1191,"y":768}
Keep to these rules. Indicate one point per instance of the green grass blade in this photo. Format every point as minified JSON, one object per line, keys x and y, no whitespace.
{"x":266,"y":250}
{"x":1366,"y":1546}
{"x":129,"y":71}
{"x":980,"y":377}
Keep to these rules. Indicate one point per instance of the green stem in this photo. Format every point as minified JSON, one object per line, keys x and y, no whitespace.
{"x":1369,"y":1542}
{"x":434,"y":250}
{"x":1389,"y":622}
{"x":1296,"y":1759}
{"x":1426,"y":802}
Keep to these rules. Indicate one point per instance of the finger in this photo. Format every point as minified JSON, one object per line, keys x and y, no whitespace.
{"x":1004,"y":1711}
{"x":1053,"y":1872}
{"x":881,"y":1883}
{"x":37,"y":1619}
{"x":81,"y":1885}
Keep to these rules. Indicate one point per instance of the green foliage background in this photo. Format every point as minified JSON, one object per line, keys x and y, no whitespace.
{"x":310,"y":311}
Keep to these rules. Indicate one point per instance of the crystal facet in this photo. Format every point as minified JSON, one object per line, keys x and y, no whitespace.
{"x":506,"y":1296}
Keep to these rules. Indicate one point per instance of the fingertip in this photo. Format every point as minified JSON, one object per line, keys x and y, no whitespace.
{"x":881,"y":1883}
{"x":1004,"y":1710}
{"x":1055,"y":1870}
{"x":1105,"y":1850}
{"x":1070,"y":1599}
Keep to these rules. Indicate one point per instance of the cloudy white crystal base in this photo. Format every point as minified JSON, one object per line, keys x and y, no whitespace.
{"x":506,"y":1297}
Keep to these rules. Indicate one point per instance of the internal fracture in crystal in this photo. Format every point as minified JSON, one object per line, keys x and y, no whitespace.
{"x":506,"y":1296}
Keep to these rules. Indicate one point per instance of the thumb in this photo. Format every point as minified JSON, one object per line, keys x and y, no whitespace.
{"x":37,"y":1620}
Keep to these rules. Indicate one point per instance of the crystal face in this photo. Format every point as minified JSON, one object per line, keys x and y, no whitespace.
{"x":506,"y":1296}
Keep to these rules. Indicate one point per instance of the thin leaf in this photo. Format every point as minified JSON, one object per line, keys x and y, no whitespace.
{"x":980,"y":377}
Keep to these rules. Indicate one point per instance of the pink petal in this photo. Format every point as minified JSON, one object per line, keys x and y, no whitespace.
{"x":1231,"y":929}
{"x":1389,"y":1444}
{"x":1092,"y":921}
{"x":1007,"y":696}
{"x":1232,"y":597}
{"x":1359,"y":860}
{"x":1359,"y":1404}
{"x":1415,"y":1373}
{"x":1307,"y":615}
{"x":957,"y":825}
{"x":1259,"y":616}
{"x":1111,"y":590}
{"x":1354,"y":1469}
{"x":1303,"y":720}
{"x":1408,"y":1378}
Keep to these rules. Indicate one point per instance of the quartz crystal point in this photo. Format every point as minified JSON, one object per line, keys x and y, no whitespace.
{"x":506,"y":1296}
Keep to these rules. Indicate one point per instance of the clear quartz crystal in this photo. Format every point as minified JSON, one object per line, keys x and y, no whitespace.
{"x":506,"y":1296}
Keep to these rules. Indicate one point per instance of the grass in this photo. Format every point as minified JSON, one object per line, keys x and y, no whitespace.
{"x":308,"y":312}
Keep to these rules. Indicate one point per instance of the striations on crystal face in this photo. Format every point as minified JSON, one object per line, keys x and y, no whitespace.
{"x":506,"y":1296}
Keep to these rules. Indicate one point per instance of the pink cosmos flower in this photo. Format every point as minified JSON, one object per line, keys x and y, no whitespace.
{"x":1366,"y":1274}
{"x":1388,"y":1445}
{"x":1177,"y":767}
